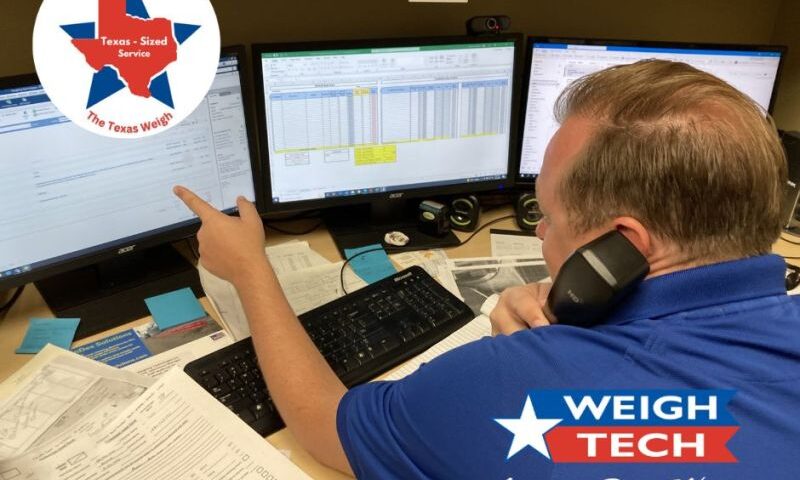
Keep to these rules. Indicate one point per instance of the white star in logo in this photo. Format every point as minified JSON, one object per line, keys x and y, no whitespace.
{"x":528,"y":430}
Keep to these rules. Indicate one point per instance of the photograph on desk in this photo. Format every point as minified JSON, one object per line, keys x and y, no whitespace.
{"x":480,"y":278}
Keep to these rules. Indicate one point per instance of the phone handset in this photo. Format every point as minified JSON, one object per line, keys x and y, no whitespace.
{"x":595,"y":278}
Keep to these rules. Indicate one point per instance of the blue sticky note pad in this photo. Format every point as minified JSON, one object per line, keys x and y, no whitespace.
{"x":372,"y":266}
{"x":41,"y":331}
{"x":174,"y":308}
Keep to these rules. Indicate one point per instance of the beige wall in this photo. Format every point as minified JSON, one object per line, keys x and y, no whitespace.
{"x":787,"y":32}
{"x":249,"y":21}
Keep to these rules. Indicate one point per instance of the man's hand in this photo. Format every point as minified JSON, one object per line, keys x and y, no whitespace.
{"x":230,"y":247}
{"x":521,"y":308}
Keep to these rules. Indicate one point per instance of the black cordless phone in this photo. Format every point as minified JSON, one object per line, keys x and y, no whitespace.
{"x":595,"y":278}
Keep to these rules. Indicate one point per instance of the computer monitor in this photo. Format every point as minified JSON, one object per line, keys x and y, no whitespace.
{"x":371,"y":121}
{"x":73,"y":199}
{"x":553,"y":63}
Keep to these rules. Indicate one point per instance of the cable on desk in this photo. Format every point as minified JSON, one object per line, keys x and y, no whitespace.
{"x":481,"y":228}
{"x":10,"y":303}
{"x":295,"y":233}
{"x":348,"y":260}
{"x":400,"y":249}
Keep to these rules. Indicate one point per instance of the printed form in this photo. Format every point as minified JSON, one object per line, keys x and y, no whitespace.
{"x":173,"y":429}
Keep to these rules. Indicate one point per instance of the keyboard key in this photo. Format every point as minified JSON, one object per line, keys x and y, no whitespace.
{"x":259,"y":410}
{"x":247,"y":416}
{"x":229,"y":398}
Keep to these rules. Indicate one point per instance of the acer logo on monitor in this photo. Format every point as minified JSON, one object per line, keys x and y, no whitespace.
{"x":124,"y":250}
{"x":393,"y":196}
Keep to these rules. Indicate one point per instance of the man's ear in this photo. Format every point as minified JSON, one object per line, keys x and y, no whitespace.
{"x":636,"y":233}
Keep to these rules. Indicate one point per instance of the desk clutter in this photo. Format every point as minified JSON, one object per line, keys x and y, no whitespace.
{"x":89,"y":402}
{"x":65,"y":415}
{"x":360,"y":335}
{"x":309,"y":280}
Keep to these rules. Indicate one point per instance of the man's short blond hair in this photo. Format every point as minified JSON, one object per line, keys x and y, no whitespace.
{"x":696,"y":161}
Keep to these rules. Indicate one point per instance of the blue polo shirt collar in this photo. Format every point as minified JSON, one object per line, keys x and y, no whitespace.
{"x":705,"y":286}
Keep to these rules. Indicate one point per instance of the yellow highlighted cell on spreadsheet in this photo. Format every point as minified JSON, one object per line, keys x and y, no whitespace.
{"x":373,"y":155}
{"x":361,"y":91}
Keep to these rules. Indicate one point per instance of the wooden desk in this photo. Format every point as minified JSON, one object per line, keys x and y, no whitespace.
{"x":31,"y":305}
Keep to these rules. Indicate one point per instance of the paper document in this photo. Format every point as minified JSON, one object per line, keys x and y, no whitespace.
{"x":479,"y":278}
{"x":179,"y":356}
{"x":308,"y":289}
{"x":223,"y":297}
{"x":475,"y":330}
{"x":285,"y":259}
{"x":512,"y":243}
{"x":433,"y":261}
{"x":293,"y":257}
{"x":63,"y":392}
{"x":174,"y":430}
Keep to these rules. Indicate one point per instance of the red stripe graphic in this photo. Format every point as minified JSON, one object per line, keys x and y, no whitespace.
{"x":651,"y":444}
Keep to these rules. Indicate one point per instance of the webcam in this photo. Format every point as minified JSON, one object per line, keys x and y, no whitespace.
{"x":488,"y":24}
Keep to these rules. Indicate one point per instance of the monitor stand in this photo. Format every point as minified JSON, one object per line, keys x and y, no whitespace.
{"x":361,"y":225}
{"x":112,"y":293}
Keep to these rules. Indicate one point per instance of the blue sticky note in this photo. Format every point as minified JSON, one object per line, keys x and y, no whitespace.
{"x":372,"y":266}
{"x":174,"y":308}
{"x":41,"y":331}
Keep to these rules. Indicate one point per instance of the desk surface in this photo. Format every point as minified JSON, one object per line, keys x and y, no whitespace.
{"x":31,"y":305}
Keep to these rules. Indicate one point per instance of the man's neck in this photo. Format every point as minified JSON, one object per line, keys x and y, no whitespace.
{"x":668,"y":260}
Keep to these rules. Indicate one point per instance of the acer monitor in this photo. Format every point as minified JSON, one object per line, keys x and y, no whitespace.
{"x":553,"y":63}
{"x":90,"y":218}
{"x":368,"y":124}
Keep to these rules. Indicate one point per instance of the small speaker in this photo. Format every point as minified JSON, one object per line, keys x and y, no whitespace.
{"x":488,"y":24}
{"x":528,"y":213}
{"x":791,"y":143}
{"x":434,"y":218}
{"x":464,"y":213}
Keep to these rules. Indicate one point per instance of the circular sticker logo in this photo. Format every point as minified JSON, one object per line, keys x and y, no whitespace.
{"x":126,"y":68}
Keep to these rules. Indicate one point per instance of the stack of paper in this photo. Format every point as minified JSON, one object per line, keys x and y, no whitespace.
{"x":65,"y":416}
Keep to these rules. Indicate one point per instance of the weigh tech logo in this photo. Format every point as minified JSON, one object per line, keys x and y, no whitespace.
{"x":123,"y":68}
{"x":625,"y":426}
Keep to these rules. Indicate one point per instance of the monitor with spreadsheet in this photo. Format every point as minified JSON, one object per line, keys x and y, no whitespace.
{"x":354,"y":122}
{"x":553,"y":63}
{"x":72,"y":198}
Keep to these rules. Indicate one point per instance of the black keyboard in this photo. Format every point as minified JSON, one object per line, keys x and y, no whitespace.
{"x":361,"y":335}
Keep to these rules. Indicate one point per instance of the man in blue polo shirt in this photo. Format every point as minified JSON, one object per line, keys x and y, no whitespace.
{"x":690,"y":172}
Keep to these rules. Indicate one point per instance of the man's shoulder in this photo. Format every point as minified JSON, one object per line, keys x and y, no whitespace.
{"x":547,"y":356}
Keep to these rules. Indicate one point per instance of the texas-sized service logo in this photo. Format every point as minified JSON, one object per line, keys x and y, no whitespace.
{"x":126,"y":68}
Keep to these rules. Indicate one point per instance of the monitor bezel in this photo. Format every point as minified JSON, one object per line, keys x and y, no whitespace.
{"x":145,"y":240}
{"x":531,"y":40}
{"x":320,"y":203}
